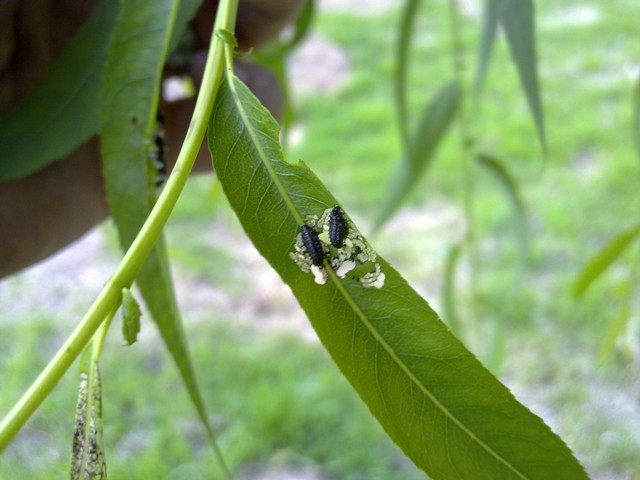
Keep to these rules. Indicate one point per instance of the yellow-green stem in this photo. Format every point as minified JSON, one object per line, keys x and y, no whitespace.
{"x":110,"y":296}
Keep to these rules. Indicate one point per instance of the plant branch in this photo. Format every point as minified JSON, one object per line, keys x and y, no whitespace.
{"x":110,"y":296}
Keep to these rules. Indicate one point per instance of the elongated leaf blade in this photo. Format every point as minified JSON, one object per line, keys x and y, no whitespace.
{"x":129,"y":99}
{"x":636,"y":114}
{"x":489,"y":31}
{"x":603,"y":259}
{"x":619,"y":323}
{"x":517,"y":20}
{"x":437,"y":402}
{"x":87,"y":457}
{"x":449,"y":289}
{"x":187,"y":9}
{"x":302,"y":25}
{"x":62,"y":111}
{"x":435,"y":123}
{"x":510,"y":187}
{"x":402,"y":67}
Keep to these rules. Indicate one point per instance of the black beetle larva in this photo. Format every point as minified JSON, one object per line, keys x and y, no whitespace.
{"x":312,"y":243}
{"x":157,"y":151}
{"x":337,"y":227}
{"x":159,"y":162}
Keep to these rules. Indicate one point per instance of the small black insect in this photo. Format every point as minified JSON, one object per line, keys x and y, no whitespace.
{"x":312,"y":243}
{"x":159,"y":162}
{"x":158,"y":151}
{"x":337,"y":227}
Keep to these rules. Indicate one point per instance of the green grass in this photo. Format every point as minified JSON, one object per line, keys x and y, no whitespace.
{"x":277,"y":401}
{"x":274,"y":399}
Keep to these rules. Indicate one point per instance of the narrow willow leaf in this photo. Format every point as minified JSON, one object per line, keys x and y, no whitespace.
{"x":276,"y":61}
{"x":636,"y":114}
{"x":186,"y":11}
{"x":435,"y":123}
{"x":129,"y":99}
{"x":603,"y":259}
{"x":434,"y":399}
{"x":130,"y":317}
{"x":517,"y":20}
{"x":510,"y":187}
{"x":449,"y":289}
{"x":87,"y":458}
{"x":619,"y":324}
{"x":489,"y":31}
{"x":62,"y":111}
{"x":302,"y":25}
{"x":402,"y":66}
{"x":274,"y":57}
{"x":496,"y":347}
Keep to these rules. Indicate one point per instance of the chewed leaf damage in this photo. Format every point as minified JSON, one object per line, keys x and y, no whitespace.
{"x":333,"y":241}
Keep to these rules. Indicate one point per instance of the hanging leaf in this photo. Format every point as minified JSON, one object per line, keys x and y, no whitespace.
{"x":489,"y":32}
{"x":87,"y":457}
{"x":517,"y":20}
{"x":434,"y":399}
{"x":636,"y":114}
{"x":61,"y":112}
{"x":130,"y":317}
{"x":449,"y":290}
{"x":187,"y":9}
{"x":274,"y":57}
{"x":302,"y":25}
{"x":620,"y":321}
{"x":510,"y":187}
{"x":435,"y":123}
{"x":129,"y":100}
{"x":603,"y":259}
{"x":496,"y":347}
{"x":402,"y":66}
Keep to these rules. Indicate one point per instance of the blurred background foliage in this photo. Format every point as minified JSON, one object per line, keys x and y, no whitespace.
{"x":280,"y":406}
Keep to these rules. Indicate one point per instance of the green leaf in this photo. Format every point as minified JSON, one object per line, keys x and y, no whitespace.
{"x":434,"y":399}
{"x":402,"y":66}
{"x":496,"y":347}
{"x":128,"y":110}
{"x":274,"y":57}
{"x":227,"y":37}
{"x":129,"y":100}
{"x":61,"y":112}
{"x":130,"y":317}
{"x":517,"y":20}
{"x":302,"y":25}
{"x":510,"y":187}
{"x":636,"y":114}
{"x":620,"y":322}
{"x":603,"y":259}
{"x":449,"y":289}
{"x":489,"y":31}
{"x":435,"y":123}
{"x":187,"y":9}
{"x":87,"y":456}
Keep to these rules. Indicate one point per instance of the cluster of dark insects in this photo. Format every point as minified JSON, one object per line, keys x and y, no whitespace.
{"x":333,"y":240}
{"x":156,"y":151}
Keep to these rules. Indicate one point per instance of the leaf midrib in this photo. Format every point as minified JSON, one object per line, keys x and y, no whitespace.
{"x":263,"y":156}
{"x":348,"y":298}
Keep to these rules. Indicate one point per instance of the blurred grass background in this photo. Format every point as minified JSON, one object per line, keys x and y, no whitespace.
{"x":280,"y":406}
